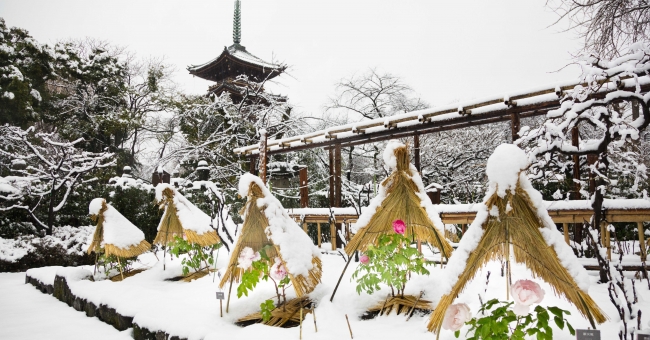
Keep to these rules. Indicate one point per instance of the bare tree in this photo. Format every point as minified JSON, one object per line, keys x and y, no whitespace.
{"x":605,"y":25}
{"x":52,"y":169}
{"x":374,"y":95}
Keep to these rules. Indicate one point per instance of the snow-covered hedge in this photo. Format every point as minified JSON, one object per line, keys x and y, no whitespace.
{"x":66,"y":246}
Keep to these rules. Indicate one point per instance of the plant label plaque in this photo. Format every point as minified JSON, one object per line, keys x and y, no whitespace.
{"x":587,"y":334}
{"x":643,"y":337}
{"x":220,"y":295}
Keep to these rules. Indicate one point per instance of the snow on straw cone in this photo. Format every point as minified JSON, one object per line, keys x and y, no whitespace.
{"x":510,"y":216}
{"x":119,"y":229}
{"x":196,"y":231}
{"x":401,"y":197}
{"x":257,"y":234}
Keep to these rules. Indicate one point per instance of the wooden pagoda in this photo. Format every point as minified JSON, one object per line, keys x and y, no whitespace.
{"x":235,"y":61}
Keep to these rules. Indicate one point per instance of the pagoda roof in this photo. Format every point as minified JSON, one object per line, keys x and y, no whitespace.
{"x":235,"y":61}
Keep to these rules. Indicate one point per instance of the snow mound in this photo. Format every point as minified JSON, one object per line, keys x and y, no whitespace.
{"x":504,"y":166}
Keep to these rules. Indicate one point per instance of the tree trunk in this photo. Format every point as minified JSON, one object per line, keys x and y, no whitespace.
{"x":50,"y":209}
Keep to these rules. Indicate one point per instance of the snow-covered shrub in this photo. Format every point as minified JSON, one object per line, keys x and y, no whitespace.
{"x":66,"y":247}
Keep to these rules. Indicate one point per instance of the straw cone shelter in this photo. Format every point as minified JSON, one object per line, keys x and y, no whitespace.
{"x":513,"y":217}
{"x":183,"y":219}
{"x":401,"y":197}
{"x":114,"y":233}
{"x":267,"y":223}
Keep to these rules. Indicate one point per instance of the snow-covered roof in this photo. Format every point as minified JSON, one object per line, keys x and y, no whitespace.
{"x":240,"y":53}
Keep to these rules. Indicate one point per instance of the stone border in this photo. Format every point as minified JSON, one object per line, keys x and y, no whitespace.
{"x":62,"y":292}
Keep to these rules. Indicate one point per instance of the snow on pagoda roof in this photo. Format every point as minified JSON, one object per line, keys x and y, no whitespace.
{"x":240,"y":53}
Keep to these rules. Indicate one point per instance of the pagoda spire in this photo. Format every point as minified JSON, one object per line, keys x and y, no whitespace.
{"x":236,"y":23}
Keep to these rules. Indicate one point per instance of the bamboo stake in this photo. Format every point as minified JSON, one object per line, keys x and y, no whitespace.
{"x":300,"y":322}
{"x":350,"y":328}
{"x":340,"y":277}
{"x":229,"y":290}
{"x":313,"y":312}
{"x":119,"y":265}
{"x":410,"y":313}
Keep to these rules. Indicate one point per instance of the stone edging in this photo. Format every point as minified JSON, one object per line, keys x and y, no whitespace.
{"x":62,"y":292}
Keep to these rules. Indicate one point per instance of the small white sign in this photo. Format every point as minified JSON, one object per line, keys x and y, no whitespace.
{"x":220,"y":295}
{"x":587,"y":334}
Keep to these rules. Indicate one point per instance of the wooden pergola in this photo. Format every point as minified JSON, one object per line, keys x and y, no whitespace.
{"x":510,"y":108}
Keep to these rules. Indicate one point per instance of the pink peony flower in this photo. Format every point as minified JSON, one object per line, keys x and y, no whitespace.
{"x":456,"y":316}
{"x":525,"y":293}
{"x":247,"y":257}
{"x":364,"y":259}
{"x":399,"y":226}
{"x":278,"y":272}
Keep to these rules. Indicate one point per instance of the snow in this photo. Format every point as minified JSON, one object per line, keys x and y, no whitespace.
{"x":191,"y":310}
{"x":503,"y":168}
{"x":74,"y":240}
{"x":296,"y":248}
{"x":191,"y":217}
{"x":28,"y":314}
{"x":118,"y":231}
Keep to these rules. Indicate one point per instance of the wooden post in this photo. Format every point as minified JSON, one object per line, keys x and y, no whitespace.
{"x":304,"y":227}
{"x":318,"y":237}
{"x":331,"y":191}
{"x":642,"y":245}
{"x":337,"y":175}
{"x":565,"y":229}
{"x":514,"y":126}
{"x":416,"y":153}
{"x":304,"y":189}
{"x":333,"y":235}
{"x":463,"y":229}
{"x":263,"y":159}
{"x":252,"y":164}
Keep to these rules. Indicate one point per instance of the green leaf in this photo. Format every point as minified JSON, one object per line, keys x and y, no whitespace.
{"x":559,"y":322}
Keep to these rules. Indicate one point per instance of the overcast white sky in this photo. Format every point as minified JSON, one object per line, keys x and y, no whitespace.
{"x":445,"y":50}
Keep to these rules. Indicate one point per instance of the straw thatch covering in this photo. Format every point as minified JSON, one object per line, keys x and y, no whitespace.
{"x":286,"y":315}
{"x":172,"y":224}
{"x":517,"y":223}
{"x":136,"y":247}
{"x":399,"y":304}
{"x":401,"y":197}
{"x":254,"y":235}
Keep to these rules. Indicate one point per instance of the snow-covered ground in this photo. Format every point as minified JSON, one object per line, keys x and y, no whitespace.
{"x":191,"y":309}
{"x":26,"y":313}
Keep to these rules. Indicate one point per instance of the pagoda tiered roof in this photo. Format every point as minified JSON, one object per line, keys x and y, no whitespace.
{"x":234,"y":61}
